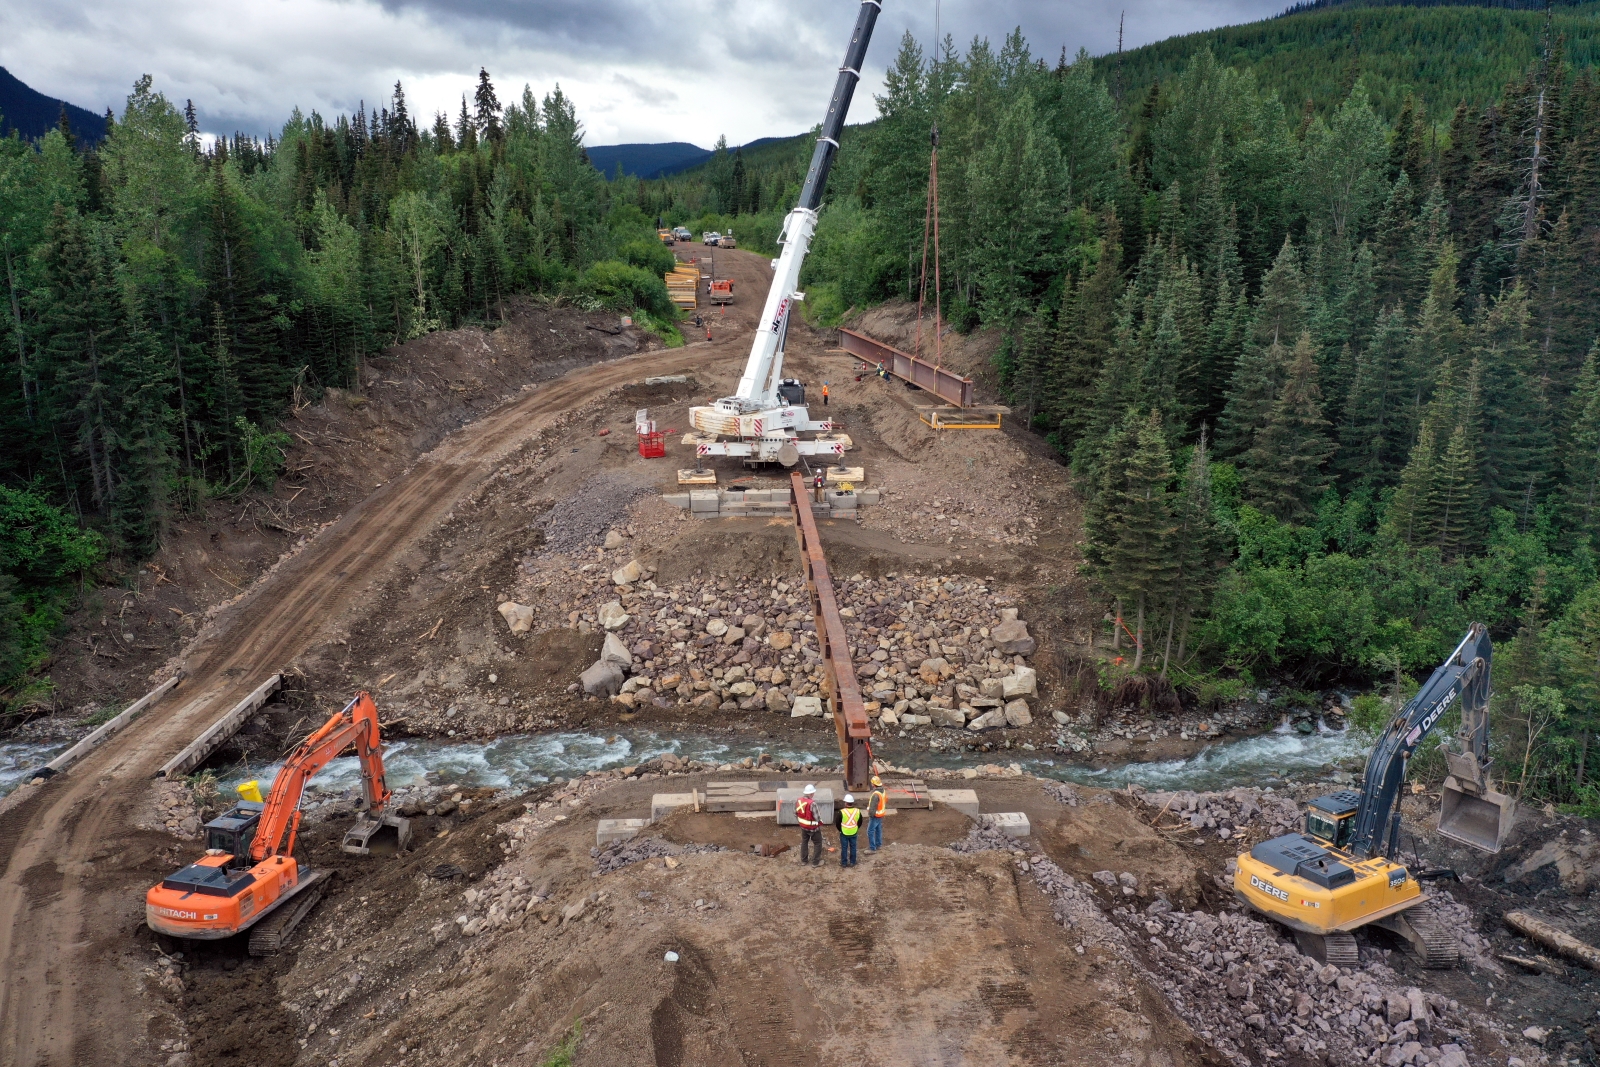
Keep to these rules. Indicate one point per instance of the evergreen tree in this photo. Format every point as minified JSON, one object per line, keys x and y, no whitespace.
{"x":1282,"y":470}
{"x":1253,"y":387}
{"x":487,"y":119}
{"x":1199,"y":551}
{"x":1517,"y":454}
{"x":1455,"y":499}
{"x":1581,"y":452}
{"x":1138,"y":553}
{"x":1410,"y":511}
{"x":1373,"y":435}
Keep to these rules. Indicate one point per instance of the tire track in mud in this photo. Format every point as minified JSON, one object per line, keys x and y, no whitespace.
{"x":61,"y":1005}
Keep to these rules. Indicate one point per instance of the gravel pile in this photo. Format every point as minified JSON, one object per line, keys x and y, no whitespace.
{"x":1242,"y":985}
{"x":619,"y":854}
{"x":1063,"y":793}
{"x":984,"y":839}
{"x":1227,"y":814}
{"x":581,"y":520}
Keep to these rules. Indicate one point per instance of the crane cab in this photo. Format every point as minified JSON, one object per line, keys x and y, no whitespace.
{"x":1332,"y":819}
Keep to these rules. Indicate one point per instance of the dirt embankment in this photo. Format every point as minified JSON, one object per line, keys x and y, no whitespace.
{"x":342,"y":448}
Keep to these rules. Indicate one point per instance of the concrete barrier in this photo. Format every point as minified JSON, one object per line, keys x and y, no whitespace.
{"x":609,"y":830}
{"x":963,"y":800}
{"x":1010,"y":823}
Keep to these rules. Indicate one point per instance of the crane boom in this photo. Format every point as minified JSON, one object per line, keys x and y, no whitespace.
{"x":759,"y":408}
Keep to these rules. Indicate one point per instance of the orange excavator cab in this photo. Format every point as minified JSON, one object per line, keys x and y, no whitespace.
{"x":249,"y":878}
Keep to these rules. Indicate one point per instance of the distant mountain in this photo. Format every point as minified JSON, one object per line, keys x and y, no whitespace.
{"x":33,"y":114}
{"x":657,"y":160}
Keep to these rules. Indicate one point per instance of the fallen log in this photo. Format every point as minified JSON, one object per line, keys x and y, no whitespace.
{"x":1538,"y":964}
{"x":1553,"y":938}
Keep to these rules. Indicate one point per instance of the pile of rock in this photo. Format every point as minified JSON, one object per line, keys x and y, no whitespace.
{"x":1227,"y":814}
{"x":619,"y":854}
{"x":1242,"y":985}
{"x":927,"y":649}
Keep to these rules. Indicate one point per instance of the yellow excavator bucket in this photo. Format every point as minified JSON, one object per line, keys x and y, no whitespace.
{"x":1475,"y":815}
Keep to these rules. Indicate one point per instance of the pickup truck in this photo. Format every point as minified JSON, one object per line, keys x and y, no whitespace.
{"x":681,"y":233}
{"x":710,"y":237}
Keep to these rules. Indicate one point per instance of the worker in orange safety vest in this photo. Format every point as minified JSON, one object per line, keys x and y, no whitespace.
{"x":849,"y":827}
{"x":877,"y":804}
{"x":805,"y":812}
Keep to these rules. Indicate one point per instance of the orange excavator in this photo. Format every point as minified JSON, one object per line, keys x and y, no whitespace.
{"x":249,"y":878}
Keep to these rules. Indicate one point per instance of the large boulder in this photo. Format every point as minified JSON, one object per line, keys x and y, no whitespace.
{"x":1017,"y":713}
{"x":716,"y":627}
{"x":991,"y":688}
{"x":806,"y":706}
{"x":951,"y":717}
{"x":754,"y":626}
{"x":1023,"y":682}
{"x":518,"y":616}
{"x":933,"y":669}
{"x":780,"y":639}
{"x":734,"y":635}
{"x":604,"y":678}
{"x":1012,"y":638}
{"x":614,"y":539}
{"x":988,"y":720}
{"x":628,"y":574}
{"x":776,"y":701}
{"x":614,"y":651}
{"x":611,"y":615}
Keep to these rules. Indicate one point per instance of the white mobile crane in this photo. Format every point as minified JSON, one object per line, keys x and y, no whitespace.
{"x":762,"y":421}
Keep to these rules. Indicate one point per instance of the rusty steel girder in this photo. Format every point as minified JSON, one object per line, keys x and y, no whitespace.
{"x":948,"y":386}
{"x":838,"y":676}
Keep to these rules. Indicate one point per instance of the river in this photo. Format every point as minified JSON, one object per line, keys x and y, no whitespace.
{"x":521,"y":761}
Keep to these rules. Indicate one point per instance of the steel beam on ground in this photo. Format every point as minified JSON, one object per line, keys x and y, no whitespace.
{"x":947,"y":385}
{"x":838,"y":675}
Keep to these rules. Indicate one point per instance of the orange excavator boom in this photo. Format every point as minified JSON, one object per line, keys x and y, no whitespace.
{"x":356,"y":725}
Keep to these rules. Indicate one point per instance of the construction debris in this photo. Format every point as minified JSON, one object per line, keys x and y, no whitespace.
{"x":1554,"y":937}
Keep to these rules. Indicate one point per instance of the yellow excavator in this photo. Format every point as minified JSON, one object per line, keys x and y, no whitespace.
{"x":1344,"y":872}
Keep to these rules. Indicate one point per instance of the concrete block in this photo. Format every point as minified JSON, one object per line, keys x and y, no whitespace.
{"x":703,"y":501}
{"x":610,"y":830}
{"x":963,"y":800}
{"x":869,"y":497}
{"x":664,"y":804}
{"x":787,"y":798}
{"x":677,"y":500}
{"x":839,"y":500}
{"x":1010,"y":823}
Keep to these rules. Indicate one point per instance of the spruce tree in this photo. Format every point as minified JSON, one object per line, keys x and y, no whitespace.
{"x":1455,"y":499}
{"x":488,"y":109}
{"x":1139,"y":557}
{"x":1518,"y":458}
{"x":1373,"y":433}
{"x":1410,"y":510}
{"x":1199,"y":551}
{"x":1253,"y":386}
{"x":1581,"y":452}
{"x":1282,"y":471}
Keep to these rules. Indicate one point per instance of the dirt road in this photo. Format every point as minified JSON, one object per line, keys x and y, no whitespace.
{"x":74,"y":866}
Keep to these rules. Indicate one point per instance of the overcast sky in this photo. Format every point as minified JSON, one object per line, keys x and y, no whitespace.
{"x":638,"y":70}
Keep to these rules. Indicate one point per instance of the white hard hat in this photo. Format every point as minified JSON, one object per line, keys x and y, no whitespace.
{"x":808,"y":790}
{"x":848,"y":799}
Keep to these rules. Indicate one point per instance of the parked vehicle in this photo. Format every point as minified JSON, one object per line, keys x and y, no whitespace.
{"x":711,"y":237}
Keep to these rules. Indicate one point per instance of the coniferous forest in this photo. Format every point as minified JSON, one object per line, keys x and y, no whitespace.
{"x":166,"y":299}
{"x":1327,"y":371}
{"x":1329,"y":380}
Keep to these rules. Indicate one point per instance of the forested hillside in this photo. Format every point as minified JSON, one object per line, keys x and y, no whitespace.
{"x":1445,"y":54}
{"x":164,"y":302}
{"x":1330,"y":385}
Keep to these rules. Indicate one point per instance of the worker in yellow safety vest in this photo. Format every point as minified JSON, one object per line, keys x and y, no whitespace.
{"x":849,"y":827}
{"x":805,"y":813}
{"x":877,"y":804}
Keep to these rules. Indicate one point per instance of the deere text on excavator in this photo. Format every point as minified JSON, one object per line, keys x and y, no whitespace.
{"x":249,"y":874}
{"x":1343,"y":872}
